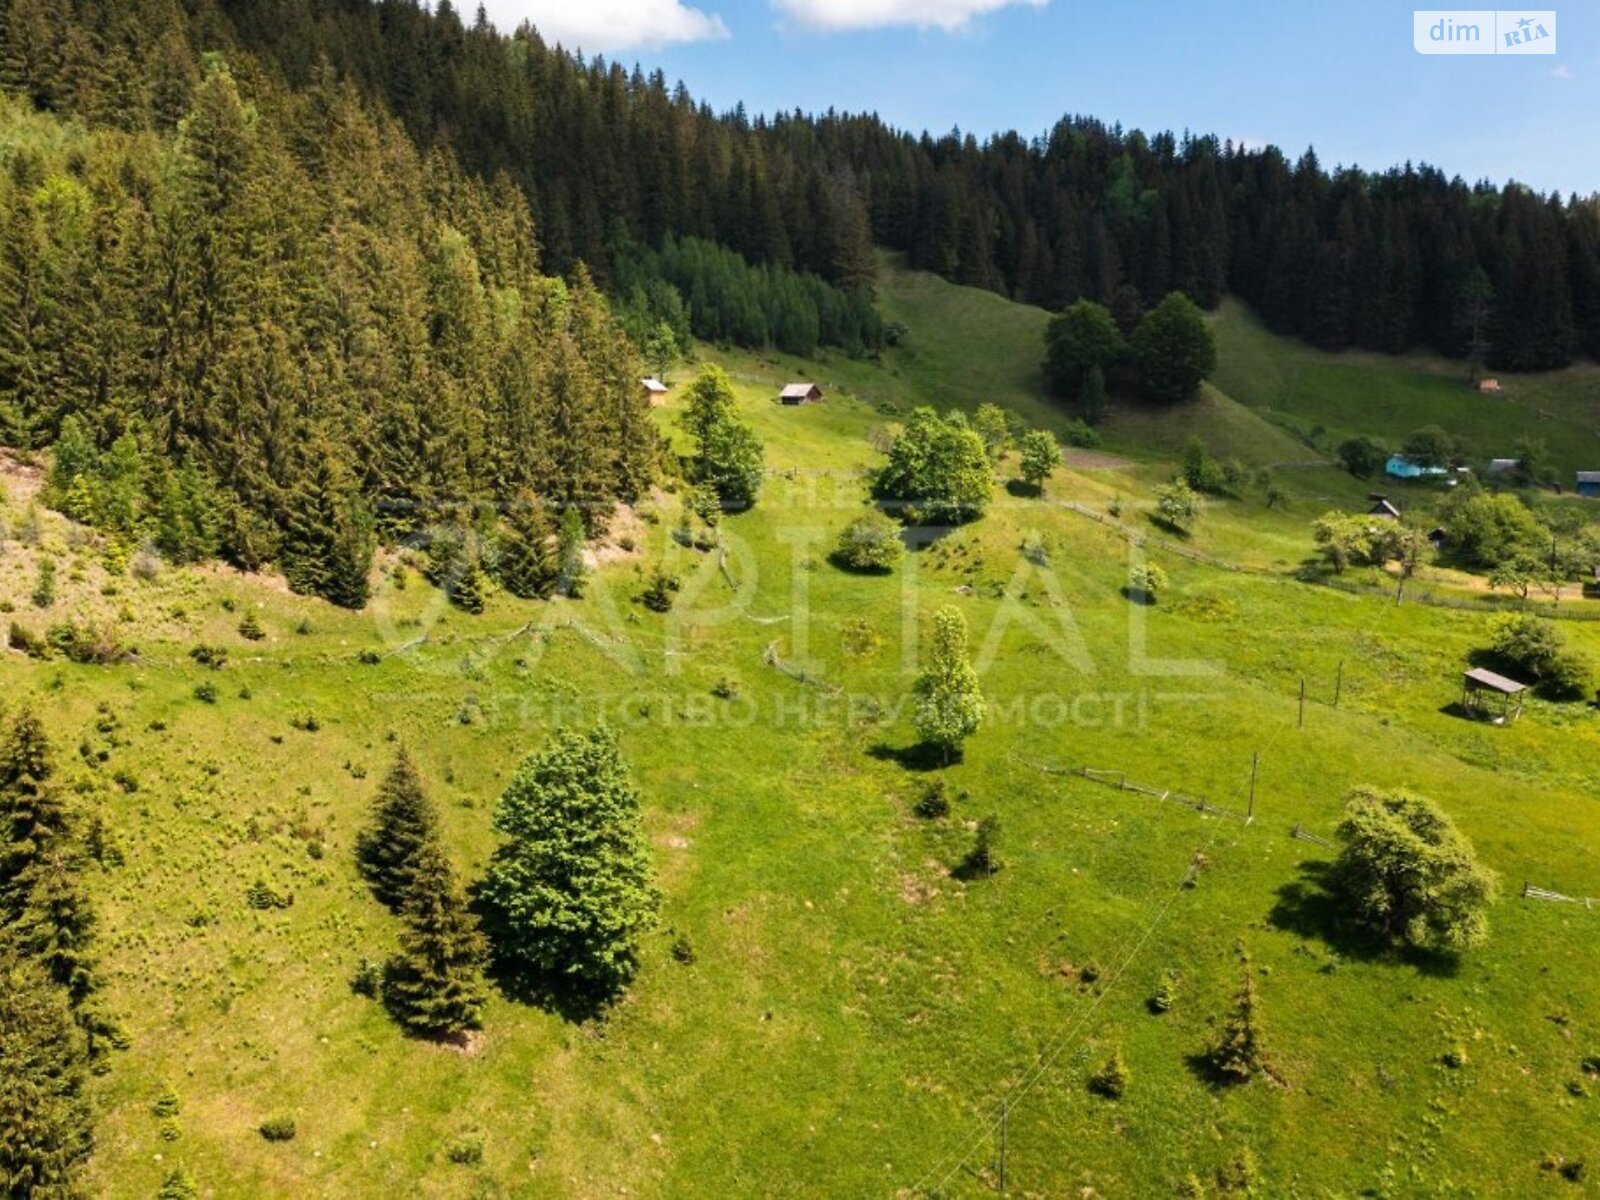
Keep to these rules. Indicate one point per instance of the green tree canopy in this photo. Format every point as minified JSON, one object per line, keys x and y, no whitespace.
{"x":950,"y":704}
{"x":1408,"y":873}
{"x":1041,"y":455}
{"x":434,"y":985}
{"x":1173,"y":350}
{"x":1080,"y":338}
{"x":403,"y":823}
{"x":937,"y":471}
{"x":570,"y":883}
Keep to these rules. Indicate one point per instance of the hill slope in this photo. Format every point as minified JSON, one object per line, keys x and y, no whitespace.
{"x":855,"y":1009}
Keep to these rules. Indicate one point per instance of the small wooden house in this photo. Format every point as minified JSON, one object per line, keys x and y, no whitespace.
{"x":1385,"y":510}
{"x":1504,"y":466}
{"x":1490,"y":387}
{"x":654,"y":390}
{"x":800,"y":393}
{"x":1589,"y":484}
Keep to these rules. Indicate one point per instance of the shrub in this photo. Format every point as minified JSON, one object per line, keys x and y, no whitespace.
{"x":261,"y":896}
{"x":726,"y":688}
{"x":1111,"y":1080}
{"x":250,"y":628}
{"x":869,"y":543}
{"x":1239,"y":1054}
{"x":1166,"y":994}
{"x":466,"y":1150}
{"x":44,"y":588}
{"x":683,"y":949}
{"x":178,"y":1185}
{"x":305,"y":722}
{"x":167,"y":1104}
{"x":29,"y":643}
{"x":206,"y":692}
{"x":213,"y":657}
{"x":1147,"y":581}
{"x":1535,"y":647}
{"x":1241,"y":1175}
{"x":934,"y":802}
{"x":368,"y":979}
{"x":662,"y":591}
{"x":278,"y":1129}
{"x":983,"y":858}
{"x":1177,"y":506}
{"x":1081,"y":435}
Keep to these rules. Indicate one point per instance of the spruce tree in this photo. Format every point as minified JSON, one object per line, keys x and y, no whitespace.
{"x":1239,"y":1054}
{"x":403,"y":824}
{"x":571,"y":883}
{"x":434,"y":986}
{"x":33,"y":819}
{"x":45,"y":1123}
{"x":529,"y":566}
{"x":569,"y":552}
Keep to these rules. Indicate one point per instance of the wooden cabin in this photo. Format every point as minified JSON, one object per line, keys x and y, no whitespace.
{"x":800,"y":393}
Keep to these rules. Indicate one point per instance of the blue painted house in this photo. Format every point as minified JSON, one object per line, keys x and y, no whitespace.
{"x":1589,"y":484}
{"x":1402,"y":467}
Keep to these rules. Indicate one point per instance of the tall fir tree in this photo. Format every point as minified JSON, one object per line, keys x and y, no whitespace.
{"x":434,"y":986}
{"x":402,"y":825}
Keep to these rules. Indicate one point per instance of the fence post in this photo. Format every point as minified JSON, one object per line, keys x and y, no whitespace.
{"x":1255,"y":768}
{"x":1338,"y":688}
{"x":1302,"y":702}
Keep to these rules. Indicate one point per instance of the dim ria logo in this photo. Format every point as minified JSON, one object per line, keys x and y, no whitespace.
{"x":1485,"y":31}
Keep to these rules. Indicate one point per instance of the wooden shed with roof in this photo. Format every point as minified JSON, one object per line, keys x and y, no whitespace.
{"x":800,"y":393}
{"x":1480,"y":685}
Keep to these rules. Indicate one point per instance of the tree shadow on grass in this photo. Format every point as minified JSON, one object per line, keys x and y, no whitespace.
{"x":1021,"y":489}
{"x":557,"y":995}
{"x":1310,"y":907}
{"x":922,"y":756}
{"x":1134,"y":596}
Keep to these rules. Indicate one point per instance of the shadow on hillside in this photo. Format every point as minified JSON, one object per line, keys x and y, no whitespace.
{"x":1144,"y":599}
{"x":1021,"y":489}
{"x":922,"y":756}
{"x":557,"y":995}
{"x":1310,"y":908}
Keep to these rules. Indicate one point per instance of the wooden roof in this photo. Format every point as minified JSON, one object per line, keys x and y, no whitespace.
{"x":653,"y":385}
{"x":799,"y":391}
{"x":1495,"y":683}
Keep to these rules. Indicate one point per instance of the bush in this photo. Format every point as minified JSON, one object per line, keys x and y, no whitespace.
{"x":1407,"y":873}
{"x":250,"y":628}
{"x":206,"y":692}
{"x":1166,"y":994}
{"x":870,"y":543}
{"x":934,"y":802}
{"x":368,"y":979}
{"x":983,"y":858}
{"x":278,"y":1129}
{"x":213,"y":657}
{"x":1111,"y":1080}
{"x":261,"y":896}
{"x":1535,"y":647}
{"x":683,"y":949}
{"x":1177,"y":506}
{"x":29,"y":643}
{"x":1081,"y":435}
{"x":44,"y":589}
{"x":660,"y":594}
{"x":725,"y":688}
{"x":1147,"y":581}
{"x":466,"y":1150}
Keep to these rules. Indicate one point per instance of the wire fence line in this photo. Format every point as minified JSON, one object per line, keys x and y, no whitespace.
{"x":1120,"y":781}
{"x":989,"y":1125}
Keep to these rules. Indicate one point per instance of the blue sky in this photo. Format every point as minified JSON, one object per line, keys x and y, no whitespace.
{"x":1343,"y":77}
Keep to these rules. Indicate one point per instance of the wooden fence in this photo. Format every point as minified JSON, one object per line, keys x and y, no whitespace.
{"x":1529,"y":892}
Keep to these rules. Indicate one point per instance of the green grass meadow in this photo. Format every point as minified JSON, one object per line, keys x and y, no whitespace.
{"x":855,"y":1014}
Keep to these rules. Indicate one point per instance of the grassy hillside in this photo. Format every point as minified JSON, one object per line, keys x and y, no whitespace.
{"x":855,"y":1011}
{"x":1334,"y":396}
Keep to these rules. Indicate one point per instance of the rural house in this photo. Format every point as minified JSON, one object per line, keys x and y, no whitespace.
{"x":1589,"y":484}
{"x":654,"y":390}
{"x":1386,"y":510}
{"x":800,"y":393}
{"x":1504,"y":466}
{"x":1489,"y":387}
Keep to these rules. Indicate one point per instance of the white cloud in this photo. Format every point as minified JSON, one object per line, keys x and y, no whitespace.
{"x":596,"y":26}
{"x":1561,"y":71}
{"x":838,"y":15}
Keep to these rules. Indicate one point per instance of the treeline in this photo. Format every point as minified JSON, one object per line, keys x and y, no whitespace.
{"x":720,"y":297}
{"x":278,"y":332}
{"x":52,"y":1034}
{"x":610,"y":158}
